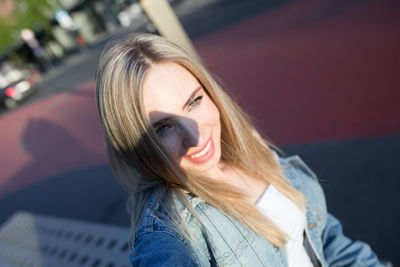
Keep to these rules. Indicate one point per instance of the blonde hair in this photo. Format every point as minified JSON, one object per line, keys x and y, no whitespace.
{"x":141,"y":164}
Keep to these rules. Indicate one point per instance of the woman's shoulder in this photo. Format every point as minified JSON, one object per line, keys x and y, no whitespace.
{"x":154,"y":218}
{"x":159,"y":248}
{"x":297,"y":171}
{"x":157,"y":242}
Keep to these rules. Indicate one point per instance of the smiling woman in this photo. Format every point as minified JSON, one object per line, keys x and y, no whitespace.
{"x":183,"y":116}
{"x":205,"y":188}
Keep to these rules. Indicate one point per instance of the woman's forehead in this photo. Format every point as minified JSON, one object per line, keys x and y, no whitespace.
{"x":166,"y":88}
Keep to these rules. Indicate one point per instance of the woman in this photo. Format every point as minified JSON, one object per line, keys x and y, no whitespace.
{"x":205,"y":188}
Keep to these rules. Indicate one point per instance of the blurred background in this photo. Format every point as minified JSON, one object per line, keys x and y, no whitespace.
{"x":320,"y":78}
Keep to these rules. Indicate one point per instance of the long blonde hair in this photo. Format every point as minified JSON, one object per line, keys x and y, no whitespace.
{"x":140,"y":162}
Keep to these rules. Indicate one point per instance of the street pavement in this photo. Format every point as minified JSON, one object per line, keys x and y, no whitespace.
{"x":319,"y":78}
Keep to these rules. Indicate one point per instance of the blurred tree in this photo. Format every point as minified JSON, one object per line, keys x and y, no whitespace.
{"x":22,"y":14}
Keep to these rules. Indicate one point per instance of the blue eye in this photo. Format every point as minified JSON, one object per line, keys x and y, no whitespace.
{"x":195,"y":102}
{"x":162,"y":129}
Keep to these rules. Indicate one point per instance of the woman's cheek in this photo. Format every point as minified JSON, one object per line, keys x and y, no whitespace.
{"x":213,"y":113}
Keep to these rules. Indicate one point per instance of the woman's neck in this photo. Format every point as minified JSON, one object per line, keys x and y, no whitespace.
{"x":250,"y":186}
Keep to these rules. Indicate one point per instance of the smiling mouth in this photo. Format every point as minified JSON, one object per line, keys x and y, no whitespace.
{"x":204,"y":155}
{"x":203,"y":152}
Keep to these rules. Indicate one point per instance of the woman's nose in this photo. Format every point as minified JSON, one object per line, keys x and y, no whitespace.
{"x":190,"y":133}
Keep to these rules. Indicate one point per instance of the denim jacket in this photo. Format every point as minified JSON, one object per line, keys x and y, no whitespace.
{"x":223,"y":241}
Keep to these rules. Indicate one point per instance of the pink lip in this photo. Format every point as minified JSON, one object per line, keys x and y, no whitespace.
{"x":207,"y":156}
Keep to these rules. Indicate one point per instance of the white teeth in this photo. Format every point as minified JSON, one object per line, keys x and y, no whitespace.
{"x":202,"y":153}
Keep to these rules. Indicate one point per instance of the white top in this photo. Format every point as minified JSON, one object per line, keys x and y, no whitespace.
{"x":290,"y":219}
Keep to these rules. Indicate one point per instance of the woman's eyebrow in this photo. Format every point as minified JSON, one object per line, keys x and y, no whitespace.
{"x":159,"y":123}
{"x":191,"y":97}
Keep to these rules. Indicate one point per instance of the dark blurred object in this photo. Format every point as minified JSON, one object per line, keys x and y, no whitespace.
{"x":16,"y":92}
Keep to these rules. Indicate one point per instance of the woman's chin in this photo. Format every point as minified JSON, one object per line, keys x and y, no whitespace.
{"x":204,"y":167}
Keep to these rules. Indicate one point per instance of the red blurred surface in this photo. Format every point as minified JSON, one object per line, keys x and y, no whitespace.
{"x":311,"y":71}
{"x":51,"y":136}
{"x":314,"y":70}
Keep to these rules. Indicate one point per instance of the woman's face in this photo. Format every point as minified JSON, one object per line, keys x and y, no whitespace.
{"x":183,"y":117}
